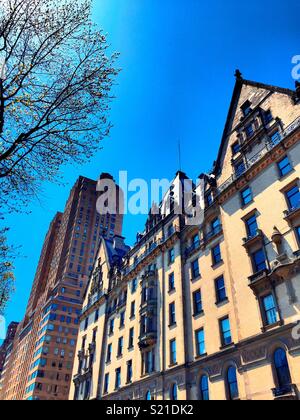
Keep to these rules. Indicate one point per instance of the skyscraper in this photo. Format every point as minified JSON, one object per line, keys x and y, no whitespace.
{"x":42,"y":356}
{"x":10,"y":335}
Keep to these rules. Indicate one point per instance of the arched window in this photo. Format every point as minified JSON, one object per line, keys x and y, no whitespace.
{"x":282,"y":368}
{"x":232,"y":384}
{"x":148,"y":396}
{"x":174,"y":392}
{"x":204,"y":388}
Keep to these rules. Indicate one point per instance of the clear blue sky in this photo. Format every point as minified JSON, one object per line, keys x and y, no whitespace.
{"x":178,"y":58}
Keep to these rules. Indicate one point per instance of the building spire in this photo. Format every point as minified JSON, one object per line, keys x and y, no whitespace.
{"x":238,"y":75}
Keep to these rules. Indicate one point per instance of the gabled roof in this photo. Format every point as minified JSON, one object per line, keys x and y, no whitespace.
{"x":240,"y":82}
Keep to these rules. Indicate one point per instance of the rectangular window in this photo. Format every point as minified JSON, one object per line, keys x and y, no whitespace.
{"x":173,"y":352}
{"x":118,"y":378}
{"x":250,"y":130}
{"x":120,"y":346}
{"x":96,"y":316}
{"x":293,"y":198}
{"x":209,"y":199}
{"x":111,"y":326}
{"x":246,"y":196}
{"x":196,"y":241}
{"x":172,"y":311}
{"x":171,"y":256}
{"x":122,"y":319}
{"x":268,"y":117}
{"x":200,"y":343}
{"x":240,"y":168}
{"x":86,"y":322}
{"x":246,"y":108}
{"x":276,"y":137}
{"x":129,"y":371}
{"x":134,"y":286}
{"x":284,"y":166}
{"x":216,"y":255}
{"x":221,"y":290}
{"x":236,"y":148}
{"x":252,"y":226}
{"x":132,"y":310}
{"x":197,"y":300}
{"x":171,"y":282}
{"x":109,"y":353}
{"x":259,"y":261}
{"x":270,"y":310}
{"x":106,"y":383}
{"x":225,"y":329}
{"x":149,"y":361}
{"x":195,"y":269}
{"x":131,"y":338}
{"x":215,"y":226}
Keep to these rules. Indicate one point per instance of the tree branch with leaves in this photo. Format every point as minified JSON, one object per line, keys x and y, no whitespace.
{"x":6,"y":271}
{"x":55,"y":91}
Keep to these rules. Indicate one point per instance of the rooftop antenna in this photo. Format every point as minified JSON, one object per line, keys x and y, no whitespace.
{"x":179,"y":155}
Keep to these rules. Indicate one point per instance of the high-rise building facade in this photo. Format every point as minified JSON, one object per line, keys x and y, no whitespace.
{"x":210,"y":311}
{"x":40,"y":363}
{"x":4,"y":348}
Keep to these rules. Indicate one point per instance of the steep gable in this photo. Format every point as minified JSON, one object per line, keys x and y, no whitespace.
{"x":260,"y":98}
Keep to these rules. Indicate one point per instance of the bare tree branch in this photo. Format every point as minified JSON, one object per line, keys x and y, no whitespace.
{"x":54,"y":94}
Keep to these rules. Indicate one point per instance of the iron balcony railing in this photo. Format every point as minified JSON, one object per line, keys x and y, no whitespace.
{"x":196,"y":246}
{"x":149,"y":251}
{"x":292,"y":210}
{"x":94,"y":299}
{"x":252,"y":161}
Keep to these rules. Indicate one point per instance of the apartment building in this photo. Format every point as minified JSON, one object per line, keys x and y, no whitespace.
{"x":4,"y":348}
{"x":207,"y":312}
{"x":39,"y":365}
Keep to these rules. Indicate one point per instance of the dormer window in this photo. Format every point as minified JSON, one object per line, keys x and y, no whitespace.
{"x":236,"y":148}
{"x":249,"y":130}
{"x":246,"y":108}
{"x":240,"y":168}
{"x":268,"y":116}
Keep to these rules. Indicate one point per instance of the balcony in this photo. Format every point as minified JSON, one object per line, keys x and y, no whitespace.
{"x":260,"y":275}
{"x":207,"y":238}
{"x":288,"y":392}
{"x":251,"y":162}
{"x":257,"y":237}
{"x":93,"y":300}
{"x":147,"y":339}
{"x":121,"y":304}
{"x":127,"y":270}
{"x":218,"y":230}
{"x":292,"y":213}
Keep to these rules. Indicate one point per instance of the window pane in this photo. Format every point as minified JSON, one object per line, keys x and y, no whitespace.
{"x":217,"y":257}
{"x":270,"y":310}
{"x":247,"y":196}
{"x":226,"y":332}
{"x":282,"y":368}
{"x":252,"y":226}
{"x":200,"y":343}
{"x":293,"y":197}
{"x":259,"y":260}
{"x":232,"y":384}
{"x":204,"y":388}
{"x":221,"y":290}
{"x":284,"y":166}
